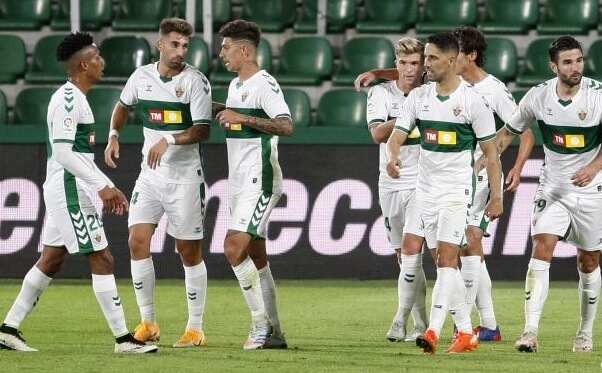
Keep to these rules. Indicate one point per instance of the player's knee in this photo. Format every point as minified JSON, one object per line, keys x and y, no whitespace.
{"x":587,"y":262}
{"x":101,"y":262}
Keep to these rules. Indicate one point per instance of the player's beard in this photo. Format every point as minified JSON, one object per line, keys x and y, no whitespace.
{"x":571,"y":80}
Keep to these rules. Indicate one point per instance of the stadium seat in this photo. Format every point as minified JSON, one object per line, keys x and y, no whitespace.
{"x":536,"y":68}
{"x":24,"y":14}
{"x":222,"y":13}
{"x":102,"y":100}
{"x":271,"y":15}
{"x":13,"y":58}
{"x":123,"y":54}
{"x":299,"y":105}
{"x":31,"y":105}
{"x":219,"y":94}
{"x":94,"y":15}
{"x":305,"y":60}
{"x":445,"y":15}
{"x":361,"y":54}
{"x":3,"y":109}
{"x":340,"y":15}
{"x":593,"y":62}
{"x":509,"y":16}
{"x":388,"y":16}
{"x":221,"y":76}
{"x":574,"y":17}
{"x":501,"y":57}
{"x":198,"y":55}
{"x":44,"y":66}
{"x":342,"y":108}
{"x":519,"y":93}
{"x":132,"y":16}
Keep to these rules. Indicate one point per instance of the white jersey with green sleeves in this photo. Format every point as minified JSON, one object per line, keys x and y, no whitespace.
{"x":170,"y":106}
{"x":450,"y":127}
{"x":252,"y":154}
{"x":500,"y":101}
{"x":570,"y":131}
{"x":70,"y":120}
{"x":383,"y":103}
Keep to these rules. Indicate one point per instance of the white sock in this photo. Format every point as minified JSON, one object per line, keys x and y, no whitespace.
{"x":195,"y":279}
{"x":589,"y":292}
{"x":471,"y":268}
{"x":457,"y":302}
{"x":410,"y":284}
{"x":440,"y":299}
{"x":105,"y":290}
{"x":248,"y":279}
{"x":484,"y":300}
{"x":34,"y":284}
{"x":143,"y":278}
{"x":537,"y":285}
{"x":268,"y":289}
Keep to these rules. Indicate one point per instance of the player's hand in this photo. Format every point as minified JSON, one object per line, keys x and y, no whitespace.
{"x":512,"y":180}
{"x":584,"y":176}
{"x":364,"y":80}
{"x":113,"y":200}
{"x":112,"y":150}
{"x":227,"y":117}
{"x":394,"y":168}
{"x":494,"y":209}
{"x":155,"y":153}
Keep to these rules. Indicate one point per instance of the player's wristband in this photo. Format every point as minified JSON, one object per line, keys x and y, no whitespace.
{"x":170,"y":139}
{"x":113,"y":132}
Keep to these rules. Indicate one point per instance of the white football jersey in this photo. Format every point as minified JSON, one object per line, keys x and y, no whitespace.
{"x":450,"y":127}
{"x":170,"y":106}
{"x":570,"y":131}
{"x":383,"y":103}
{"x":253,"y":155}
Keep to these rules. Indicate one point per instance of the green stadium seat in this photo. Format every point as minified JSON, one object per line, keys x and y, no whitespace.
{"x":509,"y":16}
{"x":536,"y":67}
{"x":299,"y":105}
{"x":362,"y":54}
{"x":24,"y":14}
{"x":222,"y":13}
{"x":342,"y":108}
{"x":198,"y":55}
{"x":575,"y":17}
{"x":44,"y":67}
{"x":388,"y":16}
{"x":133,"y":16}
{"x":102,"y":100}
{"x":305,"y":60}
{"x":123,"y":54}
{"x":3,"y":109}
{"x":221,"y":76}
{"x":445,"y":15}
{"x":13,"y":58}
{"x":219,"y":94}
{"x":340,"y":15}
{"x":519,"y":93}
{"x":94,"y":15}
{"x":270,"y":15}
{"x":593,"y":62}
{"x":501,"y":57}
{"x":31,"y":105}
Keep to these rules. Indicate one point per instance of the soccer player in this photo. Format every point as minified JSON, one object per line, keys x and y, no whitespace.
{"x":72,"y":222}
{"x":255,"y":115}
{"x":451,"y":117}
{"x":567,"y":204}
{"x":397,"y":196}
{"x":474,"y":270}
{"x":175,"y":103}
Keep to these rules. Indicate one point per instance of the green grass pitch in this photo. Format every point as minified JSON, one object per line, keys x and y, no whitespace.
{"x":331,"y":326}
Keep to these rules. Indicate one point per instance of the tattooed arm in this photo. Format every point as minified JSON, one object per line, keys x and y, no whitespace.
{"x":279,"y":126}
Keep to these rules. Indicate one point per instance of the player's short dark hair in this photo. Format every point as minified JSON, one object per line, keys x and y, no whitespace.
{"x":471,"y":39}
{"x":561,"y":44}
{"x":445,"y":41}
{"x":174,"y":24}
{"x":241,"y":30}
{"x":71,"y":44}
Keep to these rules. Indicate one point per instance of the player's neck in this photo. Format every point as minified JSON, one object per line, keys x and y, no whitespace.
{"x":448,"y":85}
{"x":566,"y":92}
{"x":248,"y":70}
{"x":82,"y":84}
{"x":474,"y":75}
{"x":167,"y":72}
